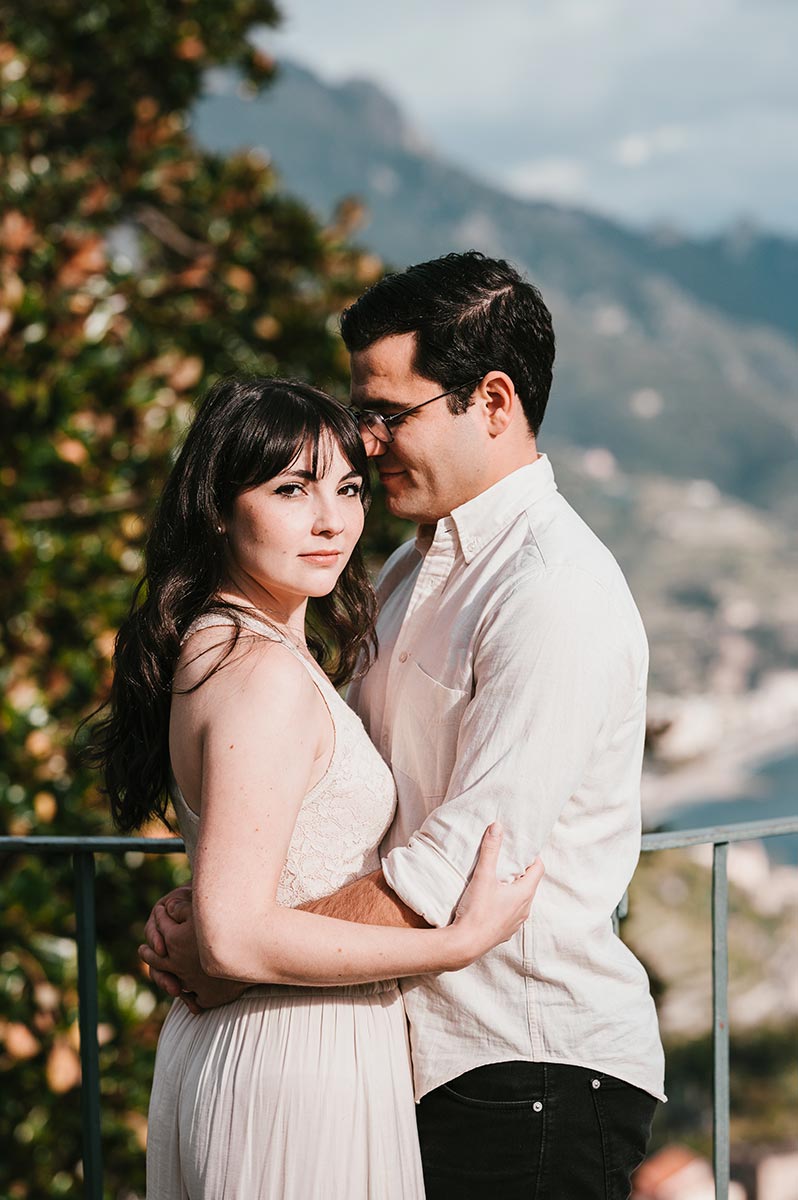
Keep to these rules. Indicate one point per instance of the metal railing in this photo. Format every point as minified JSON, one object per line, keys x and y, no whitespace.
{"x":83,"y":850}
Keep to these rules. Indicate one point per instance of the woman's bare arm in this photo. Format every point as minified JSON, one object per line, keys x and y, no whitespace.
{"x":172,"y":955}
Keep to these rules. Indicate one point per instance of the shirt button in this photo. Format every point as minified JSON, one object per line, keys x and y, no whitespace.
{"x":595,"y":1083}
{"x":403,"y":656}
{"x":537,"y":1106}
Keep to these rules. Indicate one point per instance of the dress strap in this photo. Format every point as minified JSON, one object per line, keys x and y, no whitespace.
{"x":261,"y":625}
{"x":263,"y":628}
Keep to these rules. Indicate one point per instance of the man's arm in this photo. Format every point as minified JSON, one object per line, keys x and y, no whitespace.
{"x":555,"y":670}
{"x":367,"y":901}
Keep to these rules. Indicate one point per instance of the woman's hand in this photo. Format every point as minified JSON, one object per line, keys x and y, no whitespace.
{"x":490,"y":912}
{"x":173,"y":959}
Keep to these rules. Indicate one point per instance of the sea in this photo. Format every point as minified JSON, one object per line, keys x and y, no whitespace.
{"x":771,"y":791}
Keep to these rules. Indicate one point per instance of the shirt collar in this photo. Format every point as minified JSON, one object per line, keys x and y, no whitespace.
{"x":480,"y":520}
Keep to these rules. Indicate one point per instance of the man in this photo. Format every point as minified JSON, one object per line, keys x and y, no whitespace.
{"x":510,"y":683}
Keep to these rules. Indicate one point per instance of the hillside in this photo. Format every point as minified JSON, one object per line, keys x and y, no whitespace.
{"x":675,"y":364}
{"x":679,"y":356}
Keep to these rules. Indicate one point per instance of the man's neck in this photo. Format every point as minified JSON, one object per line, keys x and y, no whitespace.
{"x":427,"y":528}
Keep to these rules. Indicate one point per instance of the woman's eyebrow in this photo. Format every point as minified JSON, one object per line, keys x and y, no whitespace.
{"x":309,"y":477}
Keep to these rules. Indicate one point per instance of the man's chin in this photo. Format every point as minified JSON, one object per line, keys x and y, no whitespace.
{"x":403,"y":501}
{"x":403,"y":508}
{"x":394,"y":487}
{"x":397,"y":506}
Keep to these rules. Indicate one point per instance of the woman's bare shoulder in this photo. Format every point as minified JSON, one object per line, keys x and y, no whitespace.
{"x":221,"y":662}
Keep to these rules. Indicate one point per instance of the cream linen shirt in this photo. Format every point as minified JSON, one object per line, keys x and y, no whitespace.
{"x":511,"y":685}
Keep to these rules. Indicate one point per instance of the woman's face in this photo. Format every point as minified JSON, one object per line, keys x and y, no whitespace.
{"x":292,"y":536}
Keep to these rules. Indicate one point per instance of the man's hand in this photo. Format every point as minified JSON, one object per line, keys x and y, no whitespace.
{"x":173,"y":958}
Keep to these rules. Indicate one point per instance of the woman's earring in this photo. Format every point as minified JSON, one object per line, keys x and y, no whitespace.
{"x":219,"y":529}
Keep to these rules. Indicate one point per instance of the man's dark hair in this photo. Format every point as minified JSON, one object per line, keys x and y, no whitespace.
{"x":470,"y":315}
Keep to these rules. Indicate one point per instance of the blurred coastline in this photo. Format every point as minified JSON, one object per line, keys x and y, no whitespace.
{"x":721,"y":759}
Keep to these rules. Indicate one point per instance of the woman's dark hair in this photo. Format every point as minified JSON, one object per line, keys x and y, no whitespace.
{"x":470,"y":315}
{"x":246,"y":431}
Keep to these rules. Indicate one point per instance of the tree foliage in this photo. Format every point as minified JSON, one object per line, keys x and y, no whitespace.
{"x":134,"y":269}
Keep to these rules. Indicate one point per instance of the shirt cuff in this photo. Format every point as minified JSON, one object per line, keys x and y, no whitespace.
{"x":424,"y":880}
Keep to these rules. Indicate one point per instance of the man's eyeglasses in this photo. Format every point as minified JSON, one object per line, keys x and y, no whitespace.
{"x":380,"y":426}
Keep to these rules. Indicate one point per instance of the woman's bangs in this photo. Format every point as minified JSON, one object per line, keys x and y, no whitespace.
{"x":282,"y":423}
{"x":328,"y":432}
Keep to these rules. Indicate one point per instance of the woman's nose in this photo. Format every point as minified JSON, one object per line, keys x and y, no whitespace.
{"x":329,"y":518}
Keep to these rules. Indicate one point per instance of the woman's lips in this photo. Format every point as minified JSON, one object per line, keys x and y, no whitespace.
{"x":323,"y":558}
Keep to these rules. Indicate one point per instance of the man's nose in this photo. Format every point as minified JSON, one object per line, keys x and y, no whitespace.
{"x":374,"y":447}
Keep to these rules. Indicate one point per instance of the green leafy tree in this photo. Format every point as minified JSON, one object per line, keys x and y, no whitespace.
{"x":134,"y":269}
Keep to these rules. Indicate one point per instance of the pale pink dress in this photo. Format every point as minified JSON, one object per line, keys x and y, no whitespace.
{"x":295,"y":1093}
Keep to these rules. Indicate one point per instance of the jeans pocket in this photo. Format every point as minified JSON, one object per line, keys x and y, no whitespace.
{"x":500,"y":1085}
{"x":624,"y":1114}
{"x":473,"y":1146}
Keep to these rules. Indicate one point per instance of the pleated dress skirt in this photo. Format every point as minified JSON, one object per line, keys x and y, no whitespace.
{"x":286,"y":1094}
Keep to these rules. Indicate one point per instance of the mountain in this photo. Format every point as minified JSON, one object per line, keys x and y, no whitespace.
{"x":678,"y":355}
{"x":673,"y":419}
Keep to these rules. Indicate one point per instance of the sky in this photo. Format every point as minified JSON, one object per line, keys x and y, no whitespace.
{"x":683,"y":112}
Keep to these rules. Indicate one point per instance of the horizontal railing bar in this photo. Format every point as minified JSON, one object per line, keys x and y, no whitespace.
{"x":740,"y":831}
{"x":97,"y":845}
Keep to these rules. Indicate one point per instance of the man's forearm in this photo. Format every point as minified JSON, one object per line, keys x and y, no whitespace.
{"x":367,"y":901}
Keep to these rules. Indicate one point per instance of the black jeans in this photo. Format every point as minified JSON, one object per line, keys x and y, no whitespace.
{"x":533,"y":1131}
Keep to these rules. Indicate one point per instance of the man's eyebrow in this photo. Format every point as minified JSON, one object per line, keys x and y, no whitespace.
{"x":379,"y":405}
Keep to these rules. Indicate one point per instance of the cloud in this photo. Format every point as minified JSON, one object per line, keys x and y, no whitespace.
{"x":638,"y":149}
{"x":552,"y":178}
{"x":648,"y":111}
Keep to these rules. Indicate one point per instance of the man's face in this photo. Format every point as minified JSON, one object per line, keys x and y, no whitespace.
{"x":436,"y":458}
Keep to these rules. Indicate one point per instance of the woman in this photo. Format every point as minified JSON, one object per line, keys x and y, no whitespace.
{"x":301,"y":1088}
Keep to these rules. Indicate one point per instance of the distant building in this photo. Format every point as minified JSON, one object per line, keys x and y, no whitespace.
{"x":676,"y":1173}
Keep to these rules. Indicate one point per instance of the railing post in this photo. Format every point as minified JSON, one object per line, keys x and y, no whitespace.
{"x":621,"y":913}
{"x":720,"y":1011}
{"x":89,"y":1052}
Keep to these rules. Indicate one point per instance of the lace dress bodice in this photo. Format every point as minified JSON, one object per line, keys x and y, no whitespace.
{"x":342,"y":819}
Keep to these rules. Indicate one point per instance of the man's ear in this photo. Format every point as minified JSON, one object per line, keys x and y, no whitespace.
{"x":499,"y":401}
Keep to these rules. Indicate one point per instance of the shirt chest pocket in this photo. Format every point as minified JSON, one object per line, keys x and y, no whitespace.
{"x":425,"y":730}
